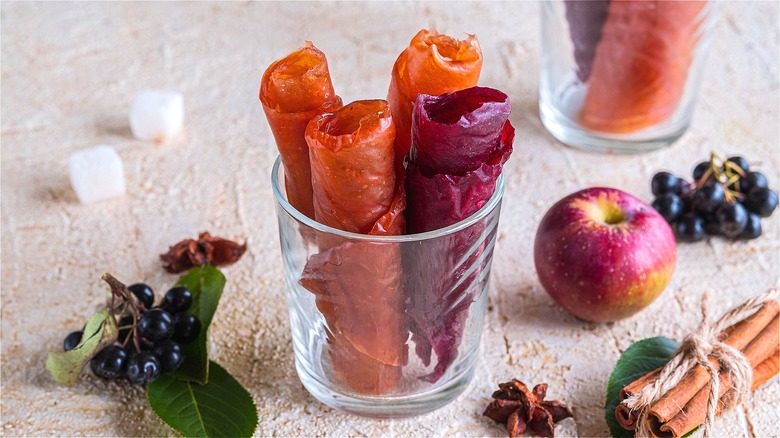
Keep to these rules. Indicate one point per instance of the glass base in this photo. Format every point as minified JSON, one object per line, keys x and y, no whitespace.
{"x":387,"y":407}
{"x":571,"y":134}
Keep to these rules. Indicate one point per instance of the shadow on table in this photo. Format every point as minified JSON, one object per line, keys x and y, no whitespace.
{"x":527,"y":309}
{"x":252,"y":340}
{"x":92,"y":406}
{"x":113,"y":125}
{"x":528,"y":305}
{"x":57,"y":189}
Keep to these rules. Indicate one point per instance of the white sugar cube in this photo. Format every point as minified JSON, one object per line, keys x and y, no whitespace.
{"x":157,"y":115}
{"x":96,"y":174}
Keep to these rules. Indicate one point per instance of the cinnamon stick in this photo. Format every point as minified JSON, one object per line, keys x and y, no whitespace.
{"x":762,"y":316}
{"x":738,"y":335}
{"x":766,"y":370}
{"x":625,"y":418}
{"x":762,"y":348}
{"x":765,"y":343}
{"x":681,"y":424}
{"x":639,"y":384}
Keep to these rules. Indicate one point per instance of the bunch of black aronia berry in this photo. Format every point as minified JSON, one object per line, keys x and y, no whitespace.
{"x":150,"y":338}
{"x":726,"y":198}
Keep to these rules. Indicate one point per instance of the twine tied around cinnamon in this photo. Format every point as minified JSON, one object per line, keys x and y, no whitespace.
{"x":694,"y":350}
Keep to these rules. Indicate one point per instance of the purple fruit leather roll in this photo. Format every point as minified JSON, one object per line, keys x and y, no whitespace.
{"x":460,"y":142}
{"x":586,"y":18}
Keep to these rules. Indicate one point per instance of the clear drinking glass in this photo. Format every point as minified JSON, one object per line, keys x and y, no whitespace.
{"x":365,"y":310}
{"x":622,"y":76}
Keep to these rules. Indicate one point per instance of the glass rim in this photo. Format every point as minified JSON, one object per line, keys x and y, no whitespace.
{"x":281,"y":199}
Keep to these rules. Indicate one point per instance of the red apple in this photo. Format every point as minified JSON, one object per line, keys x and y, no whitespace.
{"x":603,"y":254}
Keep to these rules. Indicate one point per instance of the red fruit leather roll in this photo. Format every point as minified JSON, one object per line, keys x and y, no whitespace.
{"x":460,"y":142}
{"x":358,"y":283}
{"x":432,"y":64}
{"x":293,"y":90}
{"x":641,"y":64}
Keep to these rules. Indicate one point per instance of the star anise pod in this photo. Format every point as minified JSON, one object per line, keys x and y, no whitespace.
{"x":521,"y":408}
{"x":207,"y":250}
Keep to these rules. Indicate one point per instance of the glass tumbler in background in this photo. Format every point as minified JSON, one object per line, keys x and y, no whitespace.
{"x":622,"y":76}
{"x":386,"y":326}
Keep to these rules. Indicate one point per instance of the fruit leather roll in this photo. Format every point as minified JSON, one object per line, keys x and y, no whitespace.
{"x":641,"y":64}
{"x":293,"y":90}
{"x":460,"y":142}
{"x":357,"y":283}
{"x":432,"y":64}
{"x":585,"y":21}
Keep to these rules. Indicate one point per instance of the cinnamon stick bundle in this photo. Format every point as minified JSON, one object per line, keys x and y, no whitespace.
{"x":684,"y":407}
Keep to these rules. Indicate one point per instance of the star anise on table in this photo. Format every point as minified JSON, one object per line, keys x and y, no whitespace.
{"x":207,"y":250}
{"x":521,"y":408}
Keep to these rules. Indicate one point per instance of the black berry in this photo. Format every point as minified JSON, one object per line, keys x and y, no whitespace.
{"x":709,"y":198}
{"x":752,"y":229}
{"x":670,"y":206}
{"x":687,"y":201}
{"x":733,"y":219}
{"x":144,"y":293}
{"x":690,"y":228}
{"x":72,"y":340}
{"x":109,"y":363}
{"x":683,"y":188}
{"x":177,"y":300}
{"x":711,"y":223}
{"x":131,"y":350}
{"x":170,"y":355}
{"x":142,"y":368}
{"x":739,"y":162}
{"x":155,"y":325}
{"x":725,"y":198}
{"x":663,"y":182}
{"x":762,"y":201}
{"x":186,"y":327}
{"x":700,"y":170}
{"x":751,"y":181}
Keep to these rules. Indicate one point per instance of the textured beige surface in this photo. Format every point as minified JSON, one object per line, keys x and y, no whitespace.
{"x":69,"y":74}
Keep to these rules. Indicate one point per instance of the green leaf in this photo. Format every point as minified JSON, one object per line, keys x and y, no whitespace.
{"x":222,"y":407}
{"x":639,"y":359}
{"x":100,"y":331}
{"x":206,"y":284}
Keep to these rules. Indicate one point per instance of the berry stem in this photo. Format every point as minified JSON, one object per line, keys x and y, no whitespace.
{"x":726,"y":174}
{"x":118,"y":289}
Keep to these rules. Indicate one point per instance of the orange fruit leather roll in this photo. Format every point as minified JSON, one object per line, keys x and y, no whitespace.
{"x":641,"y":64}
{"x":357,"y":283}
{"x":432,"y":64}
{"x":293,"y":90}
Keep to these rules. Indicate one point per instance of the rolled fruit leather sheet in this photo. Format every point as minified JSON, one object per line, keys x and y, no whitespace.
{"x":432,"y":64}
{"x":585,"y":17}
{"x":358,"y":284}
{"x":293,"y":90}
{"x":641,"y":64}
{"x":460,"y":142}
